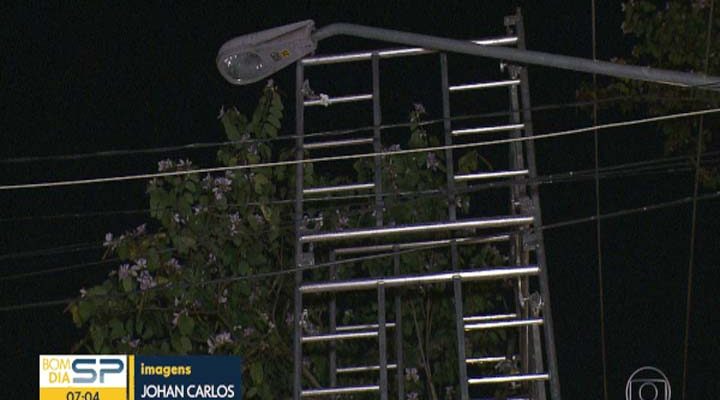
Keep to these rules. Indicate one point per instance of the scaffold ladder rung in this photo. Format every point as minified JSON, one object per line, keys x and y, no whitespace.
{"x":488,"y":129}
{"x":428,"y":243}
{"x":339,"y":188}
{"x":328,"y":101}
{"x":337,"y":143}
{"x":508,"y":379}
{"x":339,"y":336}
{"x":364,"y":368}
{"x":490,"y":175}
{"x":485,"y":360}
{"x":346,"y":328}
{"x":503,"y":324}
{"x":481,"y":223}
{"x":399,"y":52}
{"x":421,"y":279}
{"x":494,"y":317}
{"x":484,"y":85}
{"x":339,"y":390}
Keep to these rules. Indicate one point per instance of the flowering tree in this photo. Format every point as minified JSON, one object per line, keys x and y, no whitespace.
{"x":208,"y":278}
{"x":673,"y":36}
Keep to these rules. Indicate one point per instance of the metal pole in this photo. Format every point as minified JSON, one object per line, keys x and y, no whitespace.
{"x":382,"y":338}
{"x":460,"y":332}
{"x":299,"y":130}
{"x":398,"y":333}
{"x":377,"y":143}
{"x":521,"y":55}
{"x":332,"y":311}
{"x":452,"y":215}
{"x":540,"y":250}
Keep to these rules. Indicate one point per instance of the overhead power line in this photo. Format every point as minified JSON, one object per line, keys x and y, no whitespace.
{"x":292,"y":270}
{"x":336,"y":132}
{"x":659,"y":165}
{"x":357,"y":156}
{"x":656,"y":166}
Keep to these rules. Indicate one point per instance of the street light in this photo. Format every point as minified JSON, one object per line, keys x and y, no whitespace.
{"x":252,"y":57}
{"x":249,"y":58}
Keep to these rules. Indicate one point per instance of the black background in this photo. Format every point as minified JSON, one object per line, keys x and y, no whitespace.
{"x":86,"y":77}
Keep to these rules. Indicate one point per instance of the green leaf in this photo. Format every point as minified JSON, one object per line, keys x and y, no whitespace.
{"x":256,"y":372}
{"x":86,"y":309}
{"x":468,"y":162}
{"x":186,"y":344}
{"x":186,"y":324}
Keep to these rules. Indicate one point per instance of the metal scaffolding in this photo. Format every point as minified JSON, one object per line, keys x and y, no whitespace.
{"x":529,"y":319}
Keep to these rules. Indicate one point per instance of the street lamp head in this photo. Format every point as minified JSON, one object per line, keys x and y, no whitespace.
{"x":250,"y":58}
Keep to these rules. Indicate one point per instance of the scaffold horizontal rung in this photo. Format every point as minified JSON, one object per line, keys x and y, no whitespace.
{"x":328,"y":101}
{"x":495,"y":222}
{"x":494,"y":317}
{"x":340,"y":188}
{"x":365,"y":368}
{"x":490,"y":175}
{"x":484,"y":85}
{"x":508,"y":378}
{"x":337,"y":143}
{"x":428,"y":243}
{"x":346,"y":328}
{"x":503,"y":324}
{"x":488,"y":129}
{"x":485,"y":360}
{"x":409,"y":280}
{"x":339,"y":336}
{"x":340,"y":390}
{"x":393,"y":53}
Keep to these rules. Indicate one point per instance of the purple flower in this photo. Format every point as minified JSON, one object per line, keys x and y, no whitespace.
{"x":222,"y":186}
{"x":211,"y":258}
{"x":394,"y":147}
{"x":419,"y":108}
{"x":411,"y":374}
{"x":218,"y":340}
{"x":234,"y":223}
{"x":432,"y":162}
{"x":176,"y":317}
{"x":165,"y":165}
{"x":174,"y":263}
{"x":124,"y":271}
{"x":343,"y":219}
{"x":109,"y":242}
{"x":146,"y":280}
{"x":140,"y":230}
{"x":412,"y":396}
{"x":249,"y":331}
{"x":206,"y":182}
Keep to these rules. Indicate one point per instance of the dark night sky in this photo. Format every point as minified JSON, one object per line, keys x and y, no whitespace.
{"x":91,"y":77}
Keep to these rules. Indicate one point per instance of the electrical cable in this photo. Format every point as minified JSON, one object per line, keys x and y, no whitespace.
{"x":693,"y":223}
{"x":290,"y":270}
{"x":598,"y":230}
{"x":357,"y":156}
{"x":336,"y":132}
{"x":660,"y":165}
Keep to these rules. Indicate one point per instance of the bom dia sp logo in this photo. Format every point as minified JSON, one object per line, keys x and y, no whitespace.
{"x":83,"y":377}
{"x":129,"y":377}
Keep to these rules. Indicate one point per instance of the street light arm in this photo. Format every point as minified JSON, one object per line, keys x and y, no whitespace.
{"x":648,"y":74}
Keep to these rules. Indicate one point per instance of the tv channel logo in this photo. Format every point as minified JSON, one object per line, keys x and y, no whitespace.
{"x":81,"y":377}
{"x":648,"y":383}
